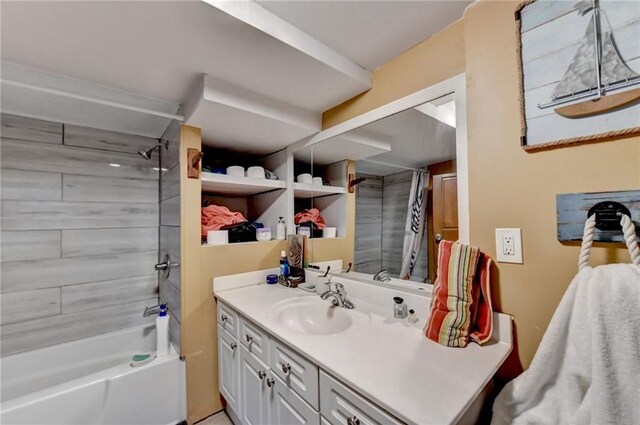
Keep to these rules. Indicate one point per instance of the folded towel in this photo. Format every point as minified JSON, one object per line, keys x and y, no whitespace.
{"x":461,"y":302}
{"x":311,"y":215}
{"x":587,"y":367}
{"x":215,"y":217}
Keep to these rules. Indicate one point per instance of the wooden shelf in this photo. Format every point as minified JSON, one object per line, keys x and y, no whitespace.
{"x":223,"y":184}
{"x":304,"y":191}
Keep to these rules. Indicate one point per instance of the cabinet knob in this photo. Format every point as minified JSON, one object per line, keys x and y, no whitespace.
{"x":233,"y":345}
{"x":286,"y":367}
{"x":249,"y":338}
{"x":262,"y":374}
{"x":224,"y":318}
{"x":271,"y":382}
{"x":353,"y":420}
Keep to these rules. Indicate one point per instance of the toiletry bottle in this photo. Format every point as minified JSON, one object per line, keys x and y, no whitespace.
{"x":399,"y":308}
{"x":281,"y":229}
{"x":412,"y":317}
{"x":162,"y":332}
{"x":284,"y":264}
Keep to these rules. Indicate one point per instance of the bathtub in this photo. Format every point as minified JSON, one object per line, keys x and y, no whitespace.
{"x":90,"y":381}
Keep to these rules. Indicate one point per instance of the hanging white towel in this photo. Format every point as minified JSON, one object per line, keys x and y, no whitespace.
{"x":587,"y":368}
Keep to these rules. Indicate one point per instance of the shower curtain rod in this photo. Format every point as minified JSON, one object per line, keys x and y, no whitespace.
{"x":402,"y":167}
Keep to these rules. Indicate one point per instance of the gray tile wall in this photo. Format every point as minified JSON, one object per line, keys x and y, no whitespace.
{"x":368,"y":246}
{"x":381,"y":212}
{"x":170,"y":288}
{"x":79,"y":235}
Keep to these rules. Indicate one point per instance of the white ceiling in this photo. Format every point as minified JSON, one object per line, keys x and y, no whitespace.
{"x":370,"y":33}
{"x":416,"y":140}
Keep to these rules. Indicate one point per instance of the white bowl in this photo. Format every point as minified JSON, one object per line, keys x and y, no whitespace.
{"x":329,"y":232}
{"x":235,"y":170}
{"x":255,"y":172}
{"x":317,"y":181}
{"x":305,"y":178}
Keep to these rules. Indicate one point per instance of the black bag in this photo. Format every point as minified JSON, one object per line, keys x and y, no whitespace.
{"x":242,"y":232}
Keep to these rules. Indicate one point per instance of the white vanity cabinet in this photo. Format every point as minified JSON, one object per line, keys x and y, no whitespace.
{"x":265,"y":382}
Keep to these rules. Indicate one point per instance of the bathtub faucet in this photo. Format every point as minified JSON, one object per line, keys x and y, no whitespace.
{"x":148,"y":311}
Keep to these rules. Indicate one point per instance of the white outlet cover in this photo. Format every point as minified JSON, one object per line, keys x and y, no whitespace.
{"x":504,"y":256}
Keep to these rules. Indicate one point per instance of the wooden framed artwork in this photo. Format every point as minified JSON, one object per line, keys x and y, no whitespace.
{"x":579,"y":71}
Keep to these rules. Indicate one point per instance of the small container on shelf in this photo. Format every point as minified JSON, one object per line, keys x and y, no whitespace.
{"x":263,"y":234}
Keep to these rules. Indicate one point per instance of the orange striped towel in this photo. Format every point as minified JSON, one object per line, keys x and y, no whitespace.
{"x":461,"y":303}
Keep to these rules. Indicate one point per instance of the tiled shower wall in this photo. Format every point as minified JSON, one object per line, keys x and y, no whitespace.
{"x":170,"y":288}
{"x":381,"y":213}
{"x":79,"y":232}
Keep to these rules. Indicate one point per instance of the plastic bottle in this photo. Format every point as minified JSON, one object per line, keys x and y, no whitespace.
{"x":162,"y":332}
{"x":281,"y":229}
{"x":284,"y":264}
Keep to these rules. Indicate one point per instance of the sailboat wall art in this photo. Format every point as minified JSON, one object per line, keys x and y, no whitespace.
{"x":580,"y":71}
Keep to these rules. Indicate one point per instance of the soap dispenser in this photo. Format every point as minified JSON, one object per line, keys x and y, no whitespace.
{"x":281,"y":229}
{"x":162,"y":332}
{"x":400,"y":309}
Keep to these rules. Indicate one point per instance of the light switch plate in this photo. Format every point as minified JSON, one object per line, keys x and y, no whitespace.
{"x":509,"y":246}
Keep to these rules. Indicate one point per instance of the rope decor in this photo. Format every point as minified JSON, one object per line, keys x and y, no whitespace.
{"x":629,"y":231}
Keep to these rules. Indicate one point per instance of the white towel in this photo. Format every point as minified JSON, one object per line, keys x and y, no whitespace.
{"x":587,"y":368}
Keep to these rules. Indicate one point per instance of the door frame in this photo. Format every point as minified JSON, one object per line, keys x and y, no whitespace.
{"x":454,"y":85}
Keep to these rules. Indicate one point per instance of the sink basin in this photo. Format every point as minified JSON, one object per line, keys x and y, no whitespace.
{"x":312,"y":316}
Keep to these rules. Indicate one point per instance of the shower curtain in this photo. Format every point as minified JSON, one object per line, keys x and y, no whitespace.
{"x":414,"y":226}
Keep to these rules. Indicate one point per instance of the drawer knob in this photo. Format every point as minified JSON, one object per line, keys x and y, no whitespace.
{"x":353,"y":421}
{"x":286,"y":367}
{"x":271,"y":382}
{"x":262,"y":374}
{"x":233,"y":345}
{"x":224,"y":318}
{"x":249,"y":338}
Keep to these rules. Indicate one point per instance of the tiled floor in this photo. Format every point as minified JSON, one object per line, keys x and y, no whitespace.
{"x":219,"y":418}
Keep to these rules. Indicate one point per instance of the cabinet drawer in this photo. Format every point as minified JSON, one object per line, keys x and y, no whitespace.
{"x":296,"y":371}
{"x":289,"y":408}
{"x":228,"y":319}
{"x":342,"y":406}
{"x":256,"y":341}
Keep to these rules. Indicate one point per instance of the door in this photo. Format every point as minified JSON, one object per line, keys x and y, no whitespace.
{"x":229,"y":369}
{"x":287,"y":407}
{"x":445,"y":211}
{"x":254,"y":393}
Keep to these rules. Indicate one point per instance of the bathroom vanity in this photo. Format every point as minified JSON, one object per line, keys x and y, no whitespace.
{"x":288,"y":357}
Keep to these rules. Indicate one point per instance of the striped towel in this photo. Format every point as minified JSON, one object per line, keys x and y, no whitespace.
{"x":461,"y":303}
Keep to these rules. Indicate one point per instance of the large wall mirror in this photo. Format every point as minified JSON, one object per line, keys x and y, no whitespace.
{"x":407,"y":196}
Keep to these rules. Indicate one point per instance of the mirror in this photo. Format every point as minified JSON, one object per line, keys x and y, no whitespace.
{"x":406,"y":198}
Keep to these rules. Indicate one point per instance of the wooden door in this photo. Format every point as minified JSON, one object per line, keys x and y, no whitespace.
{"x":445,"y":211}
{"x":254,"y":394}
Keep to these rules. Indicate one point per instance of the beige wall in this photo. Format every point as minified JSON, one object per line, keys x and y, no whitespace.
{"x":508,"y":187}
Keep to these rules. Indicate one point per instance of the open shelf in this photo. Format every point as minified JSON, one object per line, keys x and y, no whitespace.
{"x":304,"y":191}
{"x":222,"y":184}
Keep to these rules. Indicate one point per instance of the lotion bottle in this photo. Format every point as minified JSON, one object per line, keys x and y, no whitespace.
{"x":162,"y":332}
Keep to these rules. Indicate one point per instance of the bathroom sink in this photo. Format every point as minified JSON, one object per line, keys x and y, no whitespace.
{"x":312,"y":316}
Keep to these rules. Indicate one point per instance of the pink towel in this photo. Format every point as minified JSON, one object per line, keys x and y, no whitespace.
{"x":312,"y":215}
{"x":214,"y":217}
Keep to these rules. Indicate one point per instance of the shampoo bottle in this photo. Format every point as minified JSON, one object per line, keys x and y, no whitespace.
{"x":284,"y":264}
{"x":281,"y":230}
{"x":162,"y":332}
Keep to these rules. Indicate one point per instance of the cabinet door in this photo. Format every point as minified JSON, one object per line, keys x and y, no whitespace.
{"x":298,"y":372}
{"x":254,"y":394}
{"x":229,"y":368}
{"x":287,"y":407}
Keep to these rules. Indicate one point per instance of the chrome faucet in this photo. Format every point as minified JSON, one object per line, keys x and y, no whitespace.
{"x":149,"y":311}
{"x":339,"y":297}
{"x":382,"y":276}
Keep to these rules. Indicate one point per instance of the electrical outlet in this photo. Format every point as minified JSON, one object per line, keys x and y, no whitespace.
{"x":509,"y":246}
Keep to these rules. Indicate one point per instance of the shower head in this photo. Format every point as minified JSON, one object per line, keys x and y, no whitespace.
{"x":146,"y":154}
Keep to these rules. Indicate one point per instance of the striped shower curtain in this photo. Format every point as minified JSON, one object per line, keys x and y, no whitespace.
{"x":414,"y":226}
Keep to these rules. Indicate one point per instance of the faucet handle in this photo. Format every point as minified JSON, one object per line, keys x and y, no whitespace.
{"x":340,"y":288}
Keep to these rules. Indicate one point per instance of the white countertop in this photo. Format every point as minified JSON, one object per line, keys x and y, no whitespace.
{"x":387,"y":360}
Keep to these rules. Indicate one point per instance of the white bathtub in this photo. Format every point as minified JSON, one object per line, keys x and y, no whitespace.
{"x":90,"y":381}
